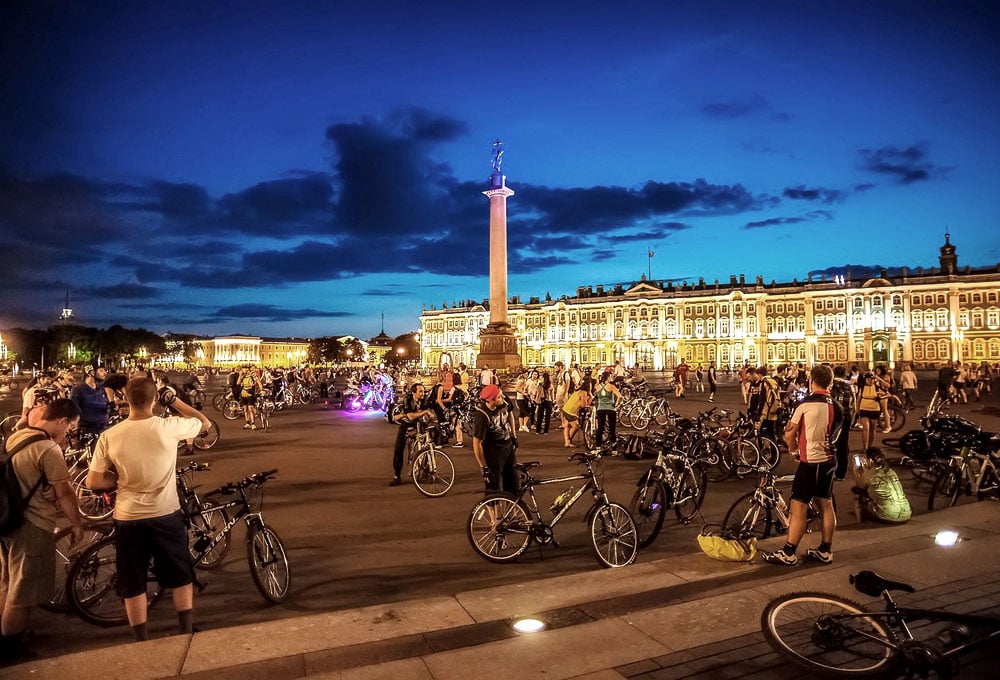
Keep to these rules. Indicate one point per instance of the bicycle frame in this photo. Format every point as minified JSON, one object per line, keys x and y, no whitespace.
{"x":961,"y":464}
{"x":529,"y":488}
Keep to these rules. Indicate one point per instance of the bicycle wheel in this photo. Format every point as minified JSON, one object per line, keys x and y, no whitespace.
{"x":613,"y":536}
{"x":433,"y":472}
{"x":208,"y":438}
{"x":897,"y":416}
{"x":948,"y":486}
{"x":268,"y":563}
{"x":588,"y":433}
{"x":625,"y":415}
{"x":499,"y":528}
{"x":745,"y":457}
{"x":662,"y":414}
{"x":711,"y":452}
{"x":747,"y":517}
{"x":828,"y":634}
{"x":232,"y":410}
{"x":7,"y":425}
{"x":91,"y":587}
{"x":648,"y":506}
{"x":264,"y":416}
{"x":770,"y":455}
{"x":640,"y":418}
{"x":205,"y":525}
{"x":219,"y":401}
{"x":94,"y":505}
{"x":689,"y":493}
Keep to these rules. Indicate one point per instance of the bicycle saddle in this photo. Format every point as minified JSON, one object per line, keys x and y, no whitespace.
{"x":870,"y":583}
{"x":527,"y":465}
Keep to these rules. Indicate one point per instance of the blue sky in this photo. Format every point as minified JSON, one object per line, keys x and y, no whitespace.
{"x":301,"y":168}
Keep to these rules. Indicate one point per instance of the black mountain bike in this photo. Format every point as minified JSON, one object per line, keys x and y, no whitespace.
{"x":836,"y":637}
{"x":502,"y":526}
{"x":91,"y":586}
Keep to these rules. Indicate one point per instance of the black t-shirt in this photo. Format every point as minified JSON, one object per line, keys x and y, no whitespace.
{"x":492,"y":426}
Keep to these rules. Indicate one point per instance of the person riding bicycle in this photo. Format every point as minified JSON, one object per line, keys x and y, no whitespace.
{"x":413,"y":409}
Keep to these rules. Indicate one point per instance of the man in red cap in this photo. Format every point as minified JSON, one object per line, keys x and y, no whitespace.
{"x":494,"y":440}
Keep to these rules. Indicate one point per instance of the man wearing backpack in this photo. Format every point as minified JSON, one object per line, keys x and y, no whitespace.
{"x":879,"y":491}
{"x":27,"y":551}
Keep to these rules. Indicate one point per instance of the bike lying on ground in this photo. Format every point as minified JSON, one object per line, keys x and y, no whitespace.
{"x":91,"y":586}
{"x":502,"y":526}
{"x":836,"y":637}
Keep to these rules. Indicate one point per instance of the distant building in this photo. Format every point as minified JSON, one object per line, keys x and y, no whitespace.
{"x":924,"y":316}
{"x":235,"y":350}
{"x":378,"y":347}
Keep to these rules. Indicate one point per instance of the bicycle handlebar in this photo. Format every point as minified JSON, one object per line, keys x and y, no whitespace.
{"x":256,"y":479}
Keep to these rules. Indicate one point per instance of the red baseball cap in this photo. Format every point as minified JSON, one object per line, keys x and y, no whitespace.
{"x":489,"y":392}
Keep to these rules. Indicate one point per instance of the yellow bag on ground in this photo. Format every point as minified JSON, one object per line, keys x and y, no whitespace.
{"x":722,"y":545}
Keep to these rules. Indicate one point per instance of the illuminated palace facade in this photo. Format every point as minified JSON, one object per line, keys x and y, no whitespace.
{"x":236,"y":350}
{"x":921,"y":316}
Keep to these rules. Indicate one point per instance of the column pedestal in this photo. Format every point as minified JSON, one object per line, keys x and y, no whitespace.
{"x":498,"y":348}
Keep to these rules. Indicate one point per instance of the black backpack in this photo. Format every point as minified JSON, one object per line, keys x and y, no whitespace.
{"x":12,"y":503}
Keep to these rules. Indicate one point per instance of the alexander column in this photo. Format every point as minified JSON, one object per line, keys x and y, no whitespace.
{"x":497,"y":342}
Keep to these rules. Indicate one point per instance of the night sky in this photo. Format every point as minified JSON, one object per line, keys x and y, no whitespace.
{"x":299,"y":168}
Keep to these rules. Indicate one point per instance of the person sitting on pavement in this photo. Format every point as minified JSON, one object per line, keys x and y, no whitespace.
{"x":810,"y":434}
{"x":879,"y":492}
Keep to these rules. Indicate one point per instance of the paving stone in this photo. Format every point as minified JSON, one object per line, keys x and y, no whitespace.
{"x":408,"y":669}
{"x":637,"y":668}
{"x":675,"y":658}
{"x":289,"y":667}
{"x":371,"y":653}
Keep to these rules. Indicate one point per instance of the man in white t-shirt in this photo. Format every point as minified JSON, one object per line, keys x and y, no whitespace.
{"x":138,"y":456}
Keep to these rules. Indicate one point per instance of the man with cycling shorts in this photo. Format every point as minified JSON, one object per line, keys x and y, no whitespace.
{"x":138,"y":456}
{"x":810,"y":434}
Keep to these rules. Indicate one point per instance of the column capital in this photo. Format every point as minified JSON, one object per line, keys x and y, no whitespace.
{"x":502,"y":191}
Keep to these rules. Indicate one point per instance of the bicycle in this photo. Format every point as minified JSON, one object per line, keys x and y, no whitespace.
{"x":838,"y":637}
{"x":66,"y":554}
{"x":587,"y":430}
{"x":431,"y":468}
{"x":91,"y":586}
{"x":673,"y":481}
{"x":266,"y":405}
{"x":764,"y":512}
{"x":502,"y":526}
{"x":968,"y":474}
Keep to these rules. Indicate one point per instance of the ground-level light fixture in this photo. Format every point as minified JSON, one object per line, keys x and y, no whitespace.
{"x":946,"y":538}
{"x":528,"y":625}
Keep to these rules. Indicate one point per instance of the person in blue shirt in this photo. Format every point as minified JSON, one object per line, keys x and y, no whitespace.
{"x":92,"y":399}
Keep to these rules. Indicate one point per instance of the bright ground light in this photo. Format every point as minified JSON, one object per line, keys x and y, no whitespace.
{"x":946,"y":538}
{"x":528,"y":625}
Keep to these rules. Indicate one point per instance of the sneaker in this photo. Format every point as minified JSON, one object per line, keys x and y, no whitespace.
{"x":711,"y":399}
{"x":780,"y":557}
{"x":253,"y":427}
{"x":819,"y":555}
{"x":247,"y":426}
{"x":887,"y":430}
{"x":395,"y":481}
{"x":458,"y":445}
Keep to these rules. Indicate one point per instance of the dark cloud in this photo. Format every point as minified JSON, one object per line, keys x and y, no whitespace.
{"x":856,"y":272}
{"x":124,"y":291}
{"x":905,"y":165}
{"x":864,"y":187}
{"x":54,"y":210}
{"x":273,"y":313}
{"x":773,"y":222}
{"x":742,"y":107}
{"x":803,"y":193}
{"x":302,"y":203}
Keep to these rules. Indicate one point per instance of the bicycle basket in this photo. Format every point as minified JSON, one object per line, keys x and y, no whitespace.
{"x":722,"y":544}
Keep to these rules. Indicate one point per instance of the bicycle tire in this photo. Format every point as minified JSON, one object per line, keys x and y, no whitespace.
{"x":264,"y":416}
{"x":207,"y":522}
{"x":897,"y":418}
{"x":268,"y":563}
{"x":588,"y":434}
{"x":662,"y":414}
{"x":495,"y":520}
{"x":7,"y":425}
{"x":770,"y":454}
{"x":746,"y":458}
{"x":219,"y":401}
{"x":233,"y":410}
{"x":799,"y":628}
{"x":92,"y":584}
{"x":93,"y":505}
{"x":613,"y":536}
{"x":625,"y":415}
{"x":207,"y":439}
{"x":640,"y":421}
{"x":690,"y":493}
{"x":66,"y":554}
{"x":648,"y":507}
{"x":433,"y":472}
{"x":948,"y":486}
{"x":712,"y":452}
{"x":746,"y":517}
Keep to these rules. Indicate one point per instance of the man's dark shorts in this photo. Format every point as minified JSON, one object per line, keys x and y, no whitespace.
{"x":813,"y":480}
{"x":248,"y":401}
{"x":165,"y":539}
